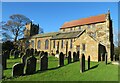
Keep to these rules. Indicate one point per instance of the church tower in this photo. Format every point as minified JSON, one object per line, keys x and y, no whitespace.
{"x":31,"y":29}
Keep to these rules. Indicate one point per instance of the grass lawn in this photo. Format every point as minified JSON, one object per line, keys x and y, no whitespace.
{"x":70,"y":72}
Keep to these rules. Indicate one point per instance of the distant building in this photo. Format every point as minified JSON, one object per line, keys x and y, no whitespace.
{"x":92,"y":36}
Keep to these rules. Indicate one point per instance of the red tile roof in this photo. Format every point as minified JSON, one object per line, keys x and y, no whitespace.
{"x":84,"y":21}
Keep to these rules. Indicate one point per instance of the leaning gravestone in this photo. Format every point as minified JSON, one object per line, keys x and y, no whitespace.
{"x":61,"y":59}
{"x":77,"y":55}
{"x":4,"y":61}
{"x":74,"y":57}
{"x":106,"y":58}
{"x":44,"y":62}
{"x":82,"y":63}
{"x":30,"y":65}
{"x":88,"y":62}
{"x":69,"y":57}
{"x":18,"y":69}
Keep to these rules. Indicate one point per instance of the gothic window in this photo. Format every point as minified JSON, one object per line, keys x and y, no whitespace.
{"x":32,"y":43}
{"x":71,"y":43}
{"x":46,"y":44}
{"x":83,"y":47}
{"x":61,"y":43}
{"x":54,"y":44}
{"x":39,"y":44}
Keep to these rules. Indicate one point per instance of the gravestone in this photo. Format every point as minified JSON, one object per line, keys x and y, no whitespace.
{"x":69,"y":57}
{"x":88,"y":62}
{"x":12,"y":52}
{"x":74,"y":57}
{"x":4,"y":61}
{"x":106,"y":58}
{"x":27,"y":52}
{"x":44,"y":62}
{"x":61,"y":59}
{"x":82,"y":63}
{"x":114,"y":58}
{"x":78,"y":55}
{"x":30,"y":65}
{"x":18,"y":69}
{"x":16,"y":54}
{"x":31,"y":52}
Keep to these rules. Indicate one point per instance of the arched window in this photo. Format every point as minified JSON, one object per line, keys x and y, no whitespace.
{"x":46,"y":44}
{"x":39,"y":44}
{"x":32,"y":43}
{"x":61,"y":43}
{"x":71,"y":43}
{"x":54,"y":44}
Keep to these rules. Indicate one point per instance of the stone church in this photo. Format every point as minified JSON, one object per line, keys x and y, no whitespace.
{"x":92,"y":36}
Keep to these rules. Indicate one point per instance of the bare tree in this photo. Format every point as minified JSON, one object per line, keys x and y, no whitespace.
{"x":16,"y":25}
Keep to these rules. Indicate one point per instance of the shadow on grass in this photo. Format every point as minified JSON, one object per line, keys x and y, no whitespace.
{"x":93,"y":67}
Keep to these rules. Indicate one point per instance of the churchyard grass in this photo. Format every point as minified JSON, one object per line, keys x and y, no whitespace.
{"x":69,"y":72}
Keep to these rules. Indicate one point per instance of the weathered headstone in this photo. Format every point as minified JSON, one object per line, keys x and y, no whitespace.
{"x":74,"y":57}
{"x":61,"y":59}
{"x":114,"y":58}
{"x":18,"y":69}
{"x":82,"y":63}
{"x":44,"y":62}
{"x":77,"y":55}
{"x":106,"y":58}
{"x":31,"y":65}
{"x":4,"y":61}
{"x":69,"y":57}
{"x":88,"y":62}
